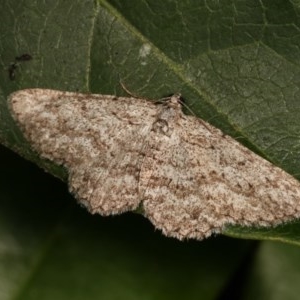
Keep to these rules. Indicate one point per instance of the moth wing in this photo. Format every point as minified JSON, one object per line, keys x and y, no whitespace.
{"x":198,"y":180}
{"x":99,"y":139}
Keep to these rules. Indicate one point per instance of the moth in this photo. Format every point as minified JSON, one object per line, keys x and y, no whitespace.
{"x":188,"y":177}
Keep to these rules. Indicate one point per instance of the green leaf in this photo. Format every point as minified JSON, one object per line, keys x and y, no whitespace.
{"x":237,"y":65}
{"x":274,"y":263}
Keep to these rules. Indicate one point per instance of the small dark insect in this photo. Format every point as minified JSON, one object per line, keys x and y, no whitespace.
{"x":11,"y":71}
{"x":24,"y":57}
{"x":14,"y":65}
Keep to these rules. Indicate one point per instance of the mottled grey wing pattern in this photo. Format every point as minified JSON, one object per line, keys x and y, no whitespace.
{"x":100,"y":139}
{"x":199,"y":180}
{"x":190,"y":178}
